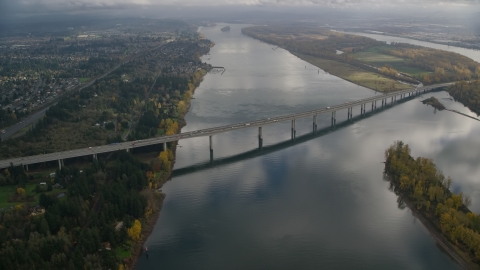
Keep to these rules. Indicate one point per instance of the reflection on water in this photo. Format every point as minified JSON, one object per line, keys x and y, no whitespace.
{"x":318,"y":202}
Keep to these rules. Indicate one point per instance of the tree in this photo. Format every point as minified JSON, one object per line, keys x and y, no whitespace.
{"x":448,"y":183}
{"x":20,"y":191}
{"x":135,"y":230}
{"x":467,"y":200}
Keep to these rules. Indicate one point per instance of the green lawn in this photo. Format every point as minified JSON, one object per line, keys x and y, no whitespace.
{"x":82,"y":80}
{"x":7,"y":191}
{"x":122,"y":252}
{"x":354,"y":74}
{"x":374,"y":56}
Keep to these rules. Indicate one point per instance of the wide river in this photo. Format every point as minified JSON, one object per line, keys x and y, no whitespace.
{"x":319,"y":202}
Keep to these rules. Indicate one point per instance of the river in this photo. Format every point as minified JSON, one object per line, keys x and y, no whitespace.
{"x":319,"y":202}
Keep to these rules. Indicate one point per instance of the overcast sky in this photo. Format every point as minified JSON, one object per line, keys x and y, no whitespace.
{"x":56,"y":5}
{"x":148,"y":8}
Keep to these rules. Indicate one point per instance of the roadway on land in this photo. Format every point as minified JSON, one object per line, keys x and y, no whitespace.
{"x":204,"y":132}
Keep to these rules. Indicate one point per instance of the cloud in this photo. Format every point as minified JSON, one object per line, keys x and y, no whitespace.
{"x":38,"y":6}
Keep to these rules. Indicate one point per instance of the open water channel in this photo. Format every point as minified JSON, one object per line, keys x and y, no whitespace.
{"x":319,"y":202}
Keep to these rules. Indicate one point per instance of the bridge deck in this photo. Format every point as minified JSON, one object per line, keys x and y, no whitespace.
{"x":203,"y":132}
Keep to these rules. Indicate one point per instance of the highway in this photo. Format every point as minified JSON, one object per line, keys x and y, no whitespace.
{"x":209,"y":131}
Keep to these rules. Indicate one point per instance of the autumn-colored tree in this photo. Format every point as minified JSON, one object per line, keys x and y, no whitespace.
{"x":20,"y":191}
{"x":150,"y":176}
{"x":135,"y":230}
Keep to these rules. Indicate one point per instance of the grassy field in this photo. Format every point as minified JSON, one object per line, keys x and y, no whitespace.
{"x":356,"y":75}
{"x":375,"y":57}
{"x":7,"y":191}
{"x":82,"y":80}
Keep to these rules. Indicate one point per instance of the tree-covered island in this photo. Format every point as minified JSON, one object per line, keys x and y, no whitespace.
{"x":420,"y":184}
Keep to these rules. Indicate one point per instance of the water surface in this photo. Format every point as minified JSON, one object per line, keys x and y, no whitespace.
{"x":320,"y":202}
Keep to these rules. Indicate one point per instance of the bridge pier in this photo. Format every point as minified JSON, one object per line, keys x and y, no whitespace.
{"x":94,"y":157}
{"x":211,"y":148}
{"x":127,"y":150}
{"x":59,"y":165}
{"x":164,"y":146}
{"x":260,"y":138}
{"x":334,"y":120}
{"x":26,"y":168}
{"x":293,"y":129}
{"x":314,"y":122}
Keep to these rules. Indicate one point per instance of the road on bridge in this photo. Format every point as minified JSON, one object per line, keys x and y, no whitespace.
{"x":208,"y":131}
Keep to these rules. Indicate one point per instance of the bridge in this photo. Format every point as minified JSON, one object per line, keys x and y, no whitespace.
{"x":382,"y":100}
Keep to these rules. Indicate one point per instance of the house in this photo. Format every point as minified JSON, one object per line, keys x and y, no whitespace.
{"x":38,"y":210}
{"x":57,"y":185}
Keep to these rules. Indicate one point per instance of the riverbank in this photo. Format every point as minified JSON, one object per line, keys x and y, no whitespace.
{"x":149,"y":225}
{"x":426,"y":191}
{"x":139,"y":246}
{"x":453,"y":252}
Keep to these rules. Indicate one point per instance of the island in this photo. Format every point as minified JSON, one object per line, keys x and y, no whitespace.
{"x":432,"y":101}
{"x":367,"y":62}
{"x":225,"y":29}
{"x":422,"y":187}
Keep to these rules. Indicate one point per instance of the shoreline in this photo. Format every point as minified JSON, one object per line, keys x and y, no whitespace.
{"x":436,"y":234}
{"x":138,"y":246}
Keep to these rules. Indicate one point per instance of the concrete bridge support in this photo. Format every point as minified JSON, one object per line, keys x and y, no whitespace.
{"x":127,"y":150}
{"x":59,"y":164}
{"x":26,"y":168}
{"x":164,"y":146}
{"x":293,"y":129}
{"x":94,"y":156}
{"x":211,"y":147}
{"x":334,"y":120}
{"x":314,"y":123}
{"x":260,"y":138}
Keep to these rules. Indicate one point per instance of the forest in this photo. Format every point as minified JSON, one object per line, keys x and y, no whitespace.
{"x":421,"y":182}
{"x":467,"y":93}
{"x":91,"y":227}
